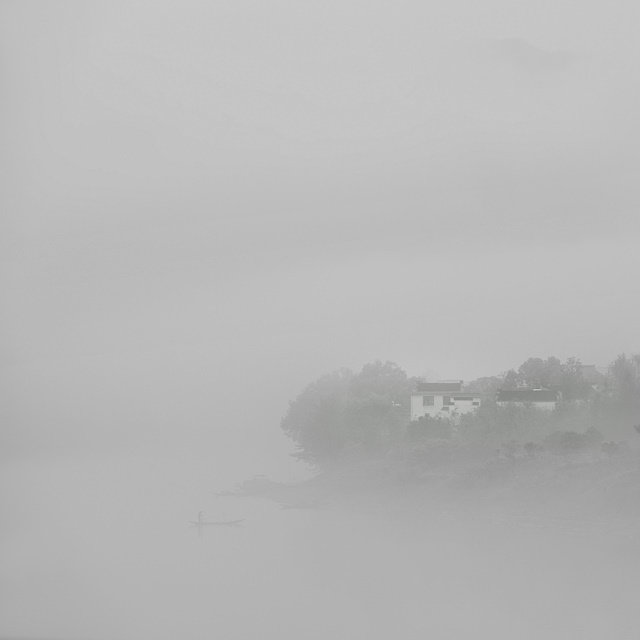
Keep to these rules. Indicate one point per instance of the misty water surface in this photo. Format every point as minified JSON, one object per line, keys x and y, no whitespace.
{"x":99,"y":546}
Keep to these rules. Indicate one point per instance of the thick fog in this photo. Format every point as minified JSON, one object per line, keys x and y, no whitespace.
{"x":206,"y":206}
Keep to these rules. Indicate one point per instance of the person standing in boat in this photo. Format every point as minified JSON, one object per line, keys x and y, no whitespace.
{"x":199,"y":516}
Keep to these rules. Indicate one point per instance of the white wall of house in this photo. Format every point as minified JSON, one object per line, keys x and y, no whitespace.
{"x":462,"y":403}
{"x":420,"y":409}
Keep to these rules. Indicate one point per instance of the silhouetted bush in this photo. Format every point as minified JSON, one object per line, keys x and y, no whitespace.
{"x":571,"y":441}
{"x":610,"y":448}
{"x":428,"y":428}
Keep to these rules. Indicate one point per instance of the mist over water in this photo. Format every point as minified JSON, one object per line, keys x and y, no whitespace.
{"x":205,"y":207}
{"x":99,"y":546}
{"x":97,"y":543}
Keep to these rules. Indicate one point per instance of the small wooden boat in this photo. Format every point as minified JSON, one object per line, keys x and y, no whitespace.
{"x":216,"y":523}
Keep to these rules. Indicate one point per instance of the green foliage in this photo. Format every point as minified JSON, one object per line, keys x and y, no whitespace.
{"x":510,"y":380}
{"x":565,"y":442}
{"x":488,"y":385}
{"x":616,"y":404}
{"x":624,"y":385}
{"x":536,"y":372}
{"x":368,"y":412}
{"x":494,"y":425}
{"x":314,"y":420}
{"x":571,"y":381}
{"x":428,"y":428}
{"x":344,"y":412}
{"x":550,"y":374}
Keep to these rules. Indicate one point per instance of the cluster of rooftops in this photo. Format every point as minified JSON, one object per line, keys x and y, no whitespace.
{"x":447,"y":398}
{"x":453,"y":389}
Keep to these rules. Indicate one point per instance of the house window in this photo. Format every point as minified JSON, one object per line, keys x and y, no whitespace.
{"x":446,"y":400}
{"x":427,"y":401}
{"x":476,"y":403}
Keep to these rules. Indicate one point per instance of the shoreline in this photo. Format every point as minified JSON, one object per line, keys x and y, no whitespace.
{"x":579,"y":493}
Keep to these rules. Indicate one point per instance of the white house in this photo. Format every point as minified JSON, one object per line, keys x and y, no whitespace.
{"x":545,"y":399}
{"x":442,"y":399}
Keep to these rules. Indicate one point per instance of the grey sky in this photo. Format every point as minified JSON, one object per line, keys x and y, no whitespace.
{"x":292,"y":187}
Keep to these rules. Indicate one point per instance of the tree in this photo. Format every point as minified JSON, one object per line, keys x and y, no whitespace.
{"x":536,"y":372}
{"x":572,"y":382}
{"x":429,"y":428}
{"x":492,"y":424}
{"x":343,"y":411}
{"x":313,"y":420}
{"x":488,"y":385}
{"x":510,"y":380}
{"x":550,"y":374}
{"x":624,"y":378}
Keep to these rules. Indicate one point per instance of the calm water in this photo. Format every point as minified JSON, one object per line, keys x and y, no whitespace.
{"x":99,"y":546}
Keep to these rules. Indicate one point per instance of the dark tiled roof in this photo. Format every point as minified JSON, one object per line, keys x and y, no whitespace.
{"x":439,"y":387}
{"x":527,"y":395}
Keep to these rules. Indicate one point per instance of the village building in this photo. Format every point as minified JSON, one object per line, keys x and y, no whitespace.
{"x":590,"y":373}
{"x":444,"y":399}
{"x":545,"y":399}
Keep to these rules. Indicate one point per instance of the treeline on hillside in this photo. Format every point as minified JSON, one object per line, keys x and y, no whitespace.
{"x":567,"y":377}
{"x":347,"y":413}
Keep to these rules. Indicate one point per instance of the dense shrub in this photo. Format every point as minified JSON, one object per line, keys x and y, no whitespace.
{"x":565,"y":442}
{"x":428,"y":428}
